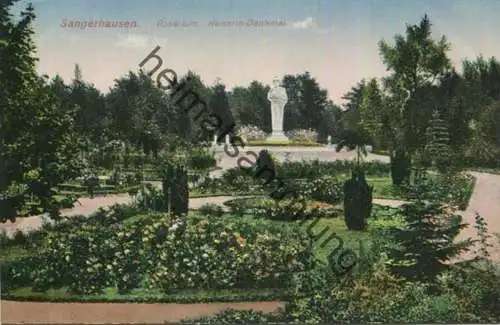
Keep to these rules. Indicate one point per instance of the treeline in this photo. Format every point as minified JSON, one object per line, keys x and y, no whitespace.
{"x":399,"y":112}
{"x":142,"y":116}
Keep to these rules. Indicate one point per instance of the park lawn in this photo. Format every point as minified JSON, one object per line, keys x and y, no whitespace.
{"x":351,"y":239}
{"x":383,"y":188}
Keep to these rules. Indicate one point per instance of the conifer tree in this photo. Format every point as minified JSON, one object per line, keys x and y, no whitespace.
{"x":427,"y":242}
{"x":438,"y":145}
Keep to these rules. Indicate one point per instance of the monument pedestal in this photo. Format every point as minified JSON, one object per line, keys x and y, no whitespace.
{"x":277,"y":136}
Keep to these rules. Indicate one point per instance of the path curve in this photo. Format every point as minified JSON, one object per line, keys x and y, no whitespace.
{"x":485,"y":200}
{"x":88,"y":206}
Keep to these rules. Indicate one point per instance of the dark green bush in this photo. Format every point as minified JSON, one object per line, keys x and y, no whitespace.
{"x":211,"y":209}
{"x":201,"y":160}
{"x":17,"y":273}
{"x":426,"y":244}
{"x":265,"y":167}
{"x":180,"y":192}
{"x":150,"y":197}
{"x":400,"y":167}
{"x":357,"y":201}
{"x":239,"y":179}
{"x":317,"y":169}
{"x":448,"y":189}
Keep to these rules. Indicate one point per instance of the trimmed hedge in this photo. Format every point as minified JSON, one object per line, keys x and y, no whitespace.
{"x":317,"y":169}
{"x":186,"y":298}
{"x":264,"y":143}
{"x":68,"y":189}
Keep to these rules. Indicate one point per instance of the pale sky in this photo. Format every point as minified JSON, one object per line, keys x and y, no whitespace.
{"x":336,"y":41}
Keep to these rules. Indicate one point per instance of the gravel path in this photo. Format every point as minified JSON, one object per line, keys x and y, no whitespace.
{"x":88,"y":206}
{"x":14,"y":312}
{"x":486,"y":201}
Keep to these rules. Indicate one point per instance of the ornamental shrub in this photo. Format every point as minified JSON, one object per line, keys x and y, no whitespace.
{"x":400,"y":167}
{"x":357,"y":200}
{"x":251,"y":133}
{"x":265,"y":167}
{"x":324,"y":189}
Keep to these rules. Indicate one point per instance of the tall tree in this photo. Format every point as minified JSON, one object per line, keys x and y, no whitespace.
{"x":416,"y":63}
{"x":77,"y":73}
{"x":250,"y":106}
{"x":351,"y":116}
{"x":307,"y":102}
{"x":219,"y":105}
{"x":38,"y":147}
{"x":373,"y":115}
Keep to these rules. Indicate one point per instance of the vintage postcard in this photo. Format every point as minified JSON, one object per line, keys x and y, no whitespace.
{"x":249,"y":162}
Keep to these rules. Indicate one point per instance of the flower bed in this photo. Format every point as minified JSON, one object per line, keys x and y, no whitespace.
{"x":285,"y":210}
{"x":203,"y":254}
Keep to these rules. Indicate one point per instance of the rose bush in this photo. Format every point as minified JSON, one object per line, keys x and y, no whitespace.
{"x":251,"y":132}
{"x":167,"y":255}
{"x":302,"y":135}
{"x":325,"y":189}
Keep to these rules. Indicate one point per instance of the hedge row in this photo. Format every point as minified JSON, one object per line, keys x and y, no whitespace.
{"x":256,"y":143}
{"x":186,"y":298}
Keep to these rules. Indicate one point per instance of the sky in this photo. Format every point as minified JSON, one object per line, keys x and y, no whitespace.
{"x":335,"y":40}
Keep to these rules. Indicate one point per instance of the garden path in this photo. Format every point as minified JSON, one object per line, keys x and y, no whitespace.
{"x":486,"y":201}
{"x":87,"y":206}
{"x":14,"y":312}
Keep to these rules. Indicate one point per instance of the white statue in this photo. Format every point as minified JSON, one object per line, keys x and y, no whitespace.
{"x":278,"y":98}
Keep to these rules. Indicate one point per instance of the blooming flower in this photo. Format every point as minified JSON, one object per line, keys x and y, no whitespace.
{"x":241,"y":241}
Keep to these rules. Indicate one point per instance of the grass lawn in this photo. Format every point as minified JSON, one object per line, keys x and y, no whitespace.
{"x":351,"y":239}
{"x":383,"y":188}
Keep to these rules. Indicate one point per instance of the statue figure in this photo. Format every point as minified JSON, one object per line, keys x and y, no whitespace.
{"x":278,"y":98}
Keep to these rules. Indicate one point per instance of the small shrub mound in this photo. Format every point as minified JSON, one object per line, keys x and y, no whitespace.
{"x":324,"y":189}
{"x":211,"y":209}
{"x":283,"y":210}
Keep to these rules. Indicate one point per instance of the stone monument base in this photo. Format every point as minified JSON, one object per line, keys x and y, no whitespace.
{"x":278,"y":136}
